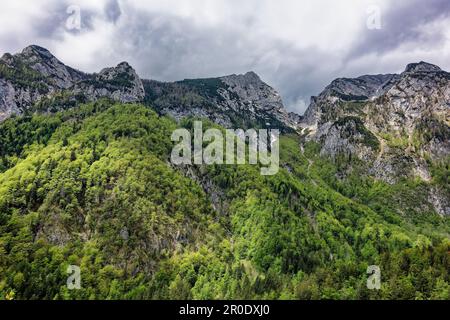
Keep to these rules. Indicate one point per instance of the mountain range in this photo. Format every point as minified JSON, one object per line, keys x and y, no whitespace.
{"x":396,"y":122}
{"x":85,"y":180}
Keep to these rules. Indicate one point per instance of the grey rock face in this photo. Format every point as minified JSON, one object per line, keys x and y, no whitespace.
{"x":54,"y":71}
{"x":440,"y":201}
{"x":120,"y":83}
{"x":348,"y":136}
{"x":231,"y":101}
{"x":34,"y":75}
{"x":7,"y":100}
{"x":396,"y":124}
{"x":422,"y":67}
{"x":295,"y":119}
{"x":247,"y":91}
{"x":363,"y":88}
{"x":28,"y":77}
{"x":250,"y":96}
{"x":390,"y":107}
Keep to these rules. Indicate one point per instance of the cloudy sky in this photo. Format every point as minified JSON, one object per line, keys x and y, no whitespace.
{"x":297,"y":46}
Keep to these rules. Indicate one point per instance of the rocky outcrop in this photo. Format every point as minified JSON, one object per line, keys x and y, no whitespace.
{"x":398,"y":125}
{"x":120,"y":84}
{"x":364,"y":88}
{"x":233,"y":101}
{"x":35,"y":78}
{"x":410,"y":111}
{"x":30,"y":75}
{"x":34,"y":74}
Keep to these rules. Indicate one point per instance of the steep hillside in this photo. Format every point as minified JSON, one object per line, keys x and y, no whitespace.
{"x":36,"y":80}
{"x":35,"y":76}
{"x":399,"y":125}
{"x":93,"y":187}
{"x":236,"y":101}
{"x":86,"y":180}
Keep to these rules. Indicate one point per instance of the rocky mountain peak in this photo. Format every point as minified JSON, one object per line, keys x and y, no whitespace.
{"x":35,"y":74}
{"x":242,"y":100}
{"x":249,"y":87}
{"x":123,"y":71}
{"x":48,"y":67}
{"x":120,"y":83}
{"x":125,"y":66}
{"x":391,"y":122}
{"x":31,"y":54}
{"x":247,"y":93}
{"x":41,"y":60}
{"x":361,"y":88}
{"x":252,"y":76}
{"x":38,"y":51}
{"x":422,"y":67}
{"x":244,"y":80}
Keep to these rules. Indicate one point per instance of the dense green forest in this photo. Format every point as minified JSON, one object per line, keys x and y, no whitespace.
{"x":93,"y":186}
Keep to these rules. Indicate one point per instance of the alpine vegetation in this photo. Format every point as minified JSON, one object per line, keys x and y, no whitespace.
{"x":263,"y":147}
{"x":111,"y":187}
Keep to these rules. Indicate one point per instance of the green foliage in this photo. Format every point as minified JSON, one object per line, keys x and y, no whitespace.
{"x":440,"y":172}
{"x":432,"y":128}
{"x":353,"y":126}
{"x":23,"y":76}
{"x":59,"y":101}
{"x":93,"y":187}
{"x":120,"y":80}
{"x":349,"y":98}
{"x":205,"y":87}
{"x":352,"y":107}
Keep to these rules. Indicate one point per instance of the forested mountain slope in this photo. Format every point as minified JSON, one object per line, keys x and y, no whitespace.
{"x":93,"y":187}
{"x":86,"y":180}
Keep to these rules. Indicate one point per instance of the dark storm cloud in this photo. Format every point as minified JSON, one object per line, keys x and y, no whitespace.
{"x":112,"y":10}
{"x":53,"y":24}
{"x":170,"y":48}
{"x":46,"y":27}
{"x":401,"y":24}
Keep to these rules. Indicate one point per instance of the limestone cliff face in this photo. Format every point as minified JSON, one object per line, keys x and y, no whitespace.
{"x":34,"y":74}
{"x":35,"y":78}
{"x":363,"y":88}
{"x":120,"y":84}
{"x":30,"y":75}
{"x":233,"y":101}
{"x":399,"y":125}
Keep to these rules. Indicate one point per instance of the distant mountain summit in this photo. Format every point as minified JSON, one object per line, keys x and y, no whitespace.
{"x":399,"y":125}
{"x":363,"y":180}
{"x":35,"y":75}
{"x":422,"y":67}
{"x":369,"y":87}
{"x":395,"y":123}
{"x":232,"y":101}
